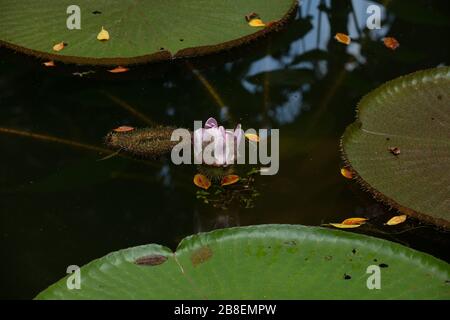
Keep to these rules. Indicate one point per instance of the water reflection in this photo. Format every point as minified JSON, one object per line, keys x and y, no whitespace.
{"x":224,"y":203}
{"x":59,"y":201}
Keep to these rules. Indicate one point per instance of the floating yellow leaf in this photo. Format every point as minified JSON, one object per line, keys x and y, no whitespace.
{"x":353,"y":221}
{"x":391,"y":43}
{"x":346,"y":173}
{"x":252,"y":137}
{"x":119,"y":69}
{"x":256,"y":23}
{"x":201,"y":181}
{"x":49,"y":64}
{"x":103,"y":35}
{"x":230,"y":179}
{"x":123,"y":129}
{"x":343,"y":38}
{"x":59,"y":46}
{"x":344,"y":226}
{"x":396,"y":220}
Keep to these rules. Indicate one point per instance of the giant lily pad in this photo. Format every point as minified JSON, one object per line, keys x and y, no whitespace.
{"x":139,"y":31}
{"x":262,"y":262}
{"x":399,"y":147}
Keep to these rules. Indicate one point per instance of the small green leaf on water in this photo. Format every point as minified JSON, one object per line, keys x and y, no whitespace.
{"x":253,"y":171}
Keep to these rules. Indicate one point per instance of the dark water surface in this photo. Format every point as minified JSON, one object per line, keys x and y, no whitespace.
{"x":60,"y":206}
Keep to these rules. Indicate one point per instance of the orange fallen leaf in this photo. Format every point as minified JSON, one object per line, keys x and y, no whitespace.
{"x":49,"y":64}
{"x":201,"y":181}
{"x":352,"y":221}
{"x":230,"y":179}
{"x":343,"y":38}
{"x":119,"y":69}
{"x":346,"y":173}
{"x":103,"y":35}
{"x":256,"y":23}
{"x":391,"y":43}
{"x":123,"y":129}
{"x":344,"y":226}
{"x":396,"y":220}
{"x":252,"y":137}
{"x":59,"y":46}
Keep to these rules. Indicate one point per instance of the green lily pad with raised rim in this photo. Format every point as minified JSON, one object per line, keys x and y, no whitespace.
{"x":140,"y":31}
{"x":262,"y":262}
{"x":399,"y":146}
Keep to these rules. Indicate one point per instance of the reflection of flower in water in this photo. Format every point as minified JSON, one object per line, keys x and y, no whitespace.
{"x":232,"y":190}
{"x":216,"y":148}
{"x":224,"y":141}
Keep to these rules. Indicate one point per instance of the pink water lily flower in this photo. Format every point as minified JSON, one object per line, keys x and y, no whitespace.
{"x":214,"y":145}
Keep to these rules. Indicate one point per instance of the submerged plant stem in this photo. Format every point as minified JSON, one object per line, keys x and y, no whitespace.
{"x":266,"y":88}
{"x":208,"y":86}
{"x":49,"y":138}
{"x":125,"y":105}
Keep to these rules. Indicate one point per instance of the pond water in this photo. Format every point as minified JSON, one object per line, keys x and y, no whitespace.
{"x":59,"y":206}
